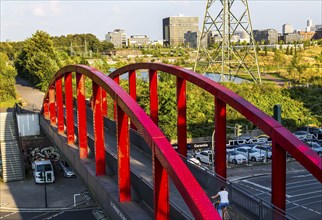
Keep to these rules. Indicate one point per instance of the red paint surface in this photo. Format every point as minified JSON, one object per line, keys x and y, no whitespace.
{"x":123,"y":156}
{"x":153,"y":84}
{"x":220,"y":138}
{"x":98,"y":130}
{"x":69,"y":108}
{"x":60,"y":105}
{"x":81,"y":116}
{"x":182,"y":117}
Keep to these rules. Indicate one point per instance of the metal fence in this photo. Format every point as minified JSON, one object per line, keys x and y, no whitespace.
{"x":243,"y":203}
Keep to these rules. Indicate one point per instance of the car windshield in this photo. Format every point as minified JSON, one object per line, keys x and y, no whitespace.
{"x":251,"y":150}
{"x":44,"y":167}
{"x":233,"y":153}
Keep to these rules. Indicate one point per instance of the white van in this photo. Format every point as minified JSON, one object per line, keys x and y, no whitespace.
{"x":43,"y":168}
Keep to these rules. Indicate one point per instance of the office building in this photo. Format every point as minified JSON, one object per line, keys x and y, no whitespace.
{"x":309,"y":26}
{"x":307,"y":35}
{"x":268,"y":36}
{"x":175,"y":27}
{"x":138,"y":40}
{"x":291,"y":38}
{"x":117,"y":37}
{"x":287,"y":29}
{"x":191,"y":39}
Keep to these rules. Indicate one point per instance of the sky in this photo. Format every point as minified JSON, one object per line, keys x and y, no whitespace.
{"x":20,"y":19}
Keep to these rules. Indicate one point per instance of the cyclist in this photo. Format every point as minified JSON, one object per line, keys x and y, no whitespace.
{"x":223,"y":194}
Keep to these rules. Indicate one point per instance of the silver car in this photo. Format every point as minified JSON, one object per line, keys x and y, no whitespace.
{"x":66,"y":169}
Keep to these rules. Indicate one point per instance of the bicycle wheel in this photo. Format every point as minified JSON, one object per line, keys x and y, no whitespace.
{"x":226,"y":215}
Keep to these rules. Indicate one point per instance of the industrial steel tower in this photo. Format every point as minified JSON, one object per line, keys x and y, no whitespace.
{"x":226,"y":44}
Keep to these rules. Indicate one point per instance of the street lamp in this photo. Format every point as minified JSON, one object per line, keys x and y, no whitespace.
{"x":213,"y":149}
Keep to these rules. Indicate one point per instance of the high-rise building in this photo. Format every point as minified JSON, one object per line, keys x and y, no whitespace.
{"x":269,"y":36}
{"x":309,"y":26}
{"x":287,"y":29}
{"x":117,"y":37}
{"x":175,"y":27}
{"x":309,"y":22}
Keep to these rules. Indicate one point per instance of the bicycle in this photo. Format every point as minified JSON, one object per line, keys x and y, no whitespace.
{"x":224,"y":210}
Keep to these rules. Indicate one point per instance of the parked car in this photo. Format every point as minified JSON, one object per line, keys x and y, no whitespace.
{"x":312,"y":130}
{"x":194,"y":161}
{"x":316,"y":147}
{"x":204,"y":156}
{"x":250,"y":154}
{"x":235,"y":158}
{"x":66,"y":169}
{"x":303,"y":135}
{"x":264,"y":149}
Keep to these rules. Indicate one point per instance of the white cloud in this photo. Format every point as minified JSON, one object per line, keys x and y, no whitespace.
{"x":55,"y":7}
{"x":38,"y":11}
{"x":116,"y":9}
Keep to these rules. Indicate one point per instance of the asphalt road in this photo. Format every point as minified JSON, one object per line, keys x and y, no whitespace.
{"x":30,"y":95}
{"x":303,"y":192}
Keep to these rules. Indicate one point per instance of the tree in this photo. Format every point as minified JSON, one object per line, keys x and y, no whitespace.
{"x":265,"y":49}
{"x":296,"y":64}
{"x":7,"y":79}
{"x":38,"y":61}
{"x":106,"y":46}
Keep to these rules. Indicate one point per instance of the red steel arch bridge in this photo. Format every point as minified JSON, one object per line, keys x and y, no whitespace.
{"x":60,"y":108}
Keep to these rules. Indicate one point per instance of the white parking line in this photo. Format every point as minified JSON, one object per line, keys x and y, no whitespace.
{"x":300,"y":182}
{"x":304,"y":185}
{"x":317,"y":196}
{"x":262,"y":187}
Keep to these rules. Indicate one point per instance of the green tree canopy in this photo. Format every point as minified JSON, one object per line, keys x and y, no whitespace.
{"x":7,"y":79}
{"x":38,"y":60}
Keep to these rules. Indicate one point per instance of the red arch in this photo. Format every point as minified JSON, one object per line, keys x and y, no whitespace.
{"x":165,"y":157}
{"x":282,"y":139}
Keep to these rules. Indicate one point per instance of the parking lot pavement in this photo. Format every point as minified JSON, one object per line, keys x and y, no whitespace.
{"x":303,"y":197}
{"x":24,"y":195}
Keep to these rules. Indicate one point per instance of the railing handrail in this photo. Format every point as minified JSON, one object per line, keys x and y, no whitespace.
{"x":195,"y":198}
{"x":301,"y":152}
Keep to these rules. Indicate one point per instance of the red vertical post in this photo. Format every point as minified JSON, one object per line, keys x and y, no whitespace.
{"x":60,"y":105}
{"x":153,"y":83}
{"x":98,"y":130}
{"x":123,"y":156}
{"x":69,"y":108}
{"x":182,"y":117}
{"x":278,"y":175}
{"x":104,"y":103}
{"x":117,"y":80}
{"x":132,"y":89}
{"x":52,"y":106}
{"x":46,"y":108}
{"x":220,"y":138}
{"x":161,"y":190}
{"x":81,"y":116}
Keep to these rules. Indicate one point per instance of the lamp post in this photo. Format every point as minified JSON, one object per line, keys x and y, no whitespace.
{"x":44,"y":175}
{"x":213,"y":149}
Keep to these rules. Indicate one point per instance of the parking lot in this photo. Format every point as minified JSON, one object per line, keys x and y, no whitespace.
{"x":66,"y":196}
{"x":303,"y":191}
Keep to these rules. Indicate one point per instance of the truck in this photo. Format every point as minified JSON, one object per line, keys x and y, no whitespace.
{"x":43,"y":171}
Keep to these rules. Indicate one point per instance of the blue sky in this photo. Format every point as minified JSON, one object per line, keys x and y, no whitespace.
{"x":20,"y":19}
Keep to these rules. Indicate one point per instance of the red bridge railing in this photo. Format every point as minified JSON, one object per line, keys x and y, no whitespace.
{"x":282,"y":139}
{"x":165,"y":160}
